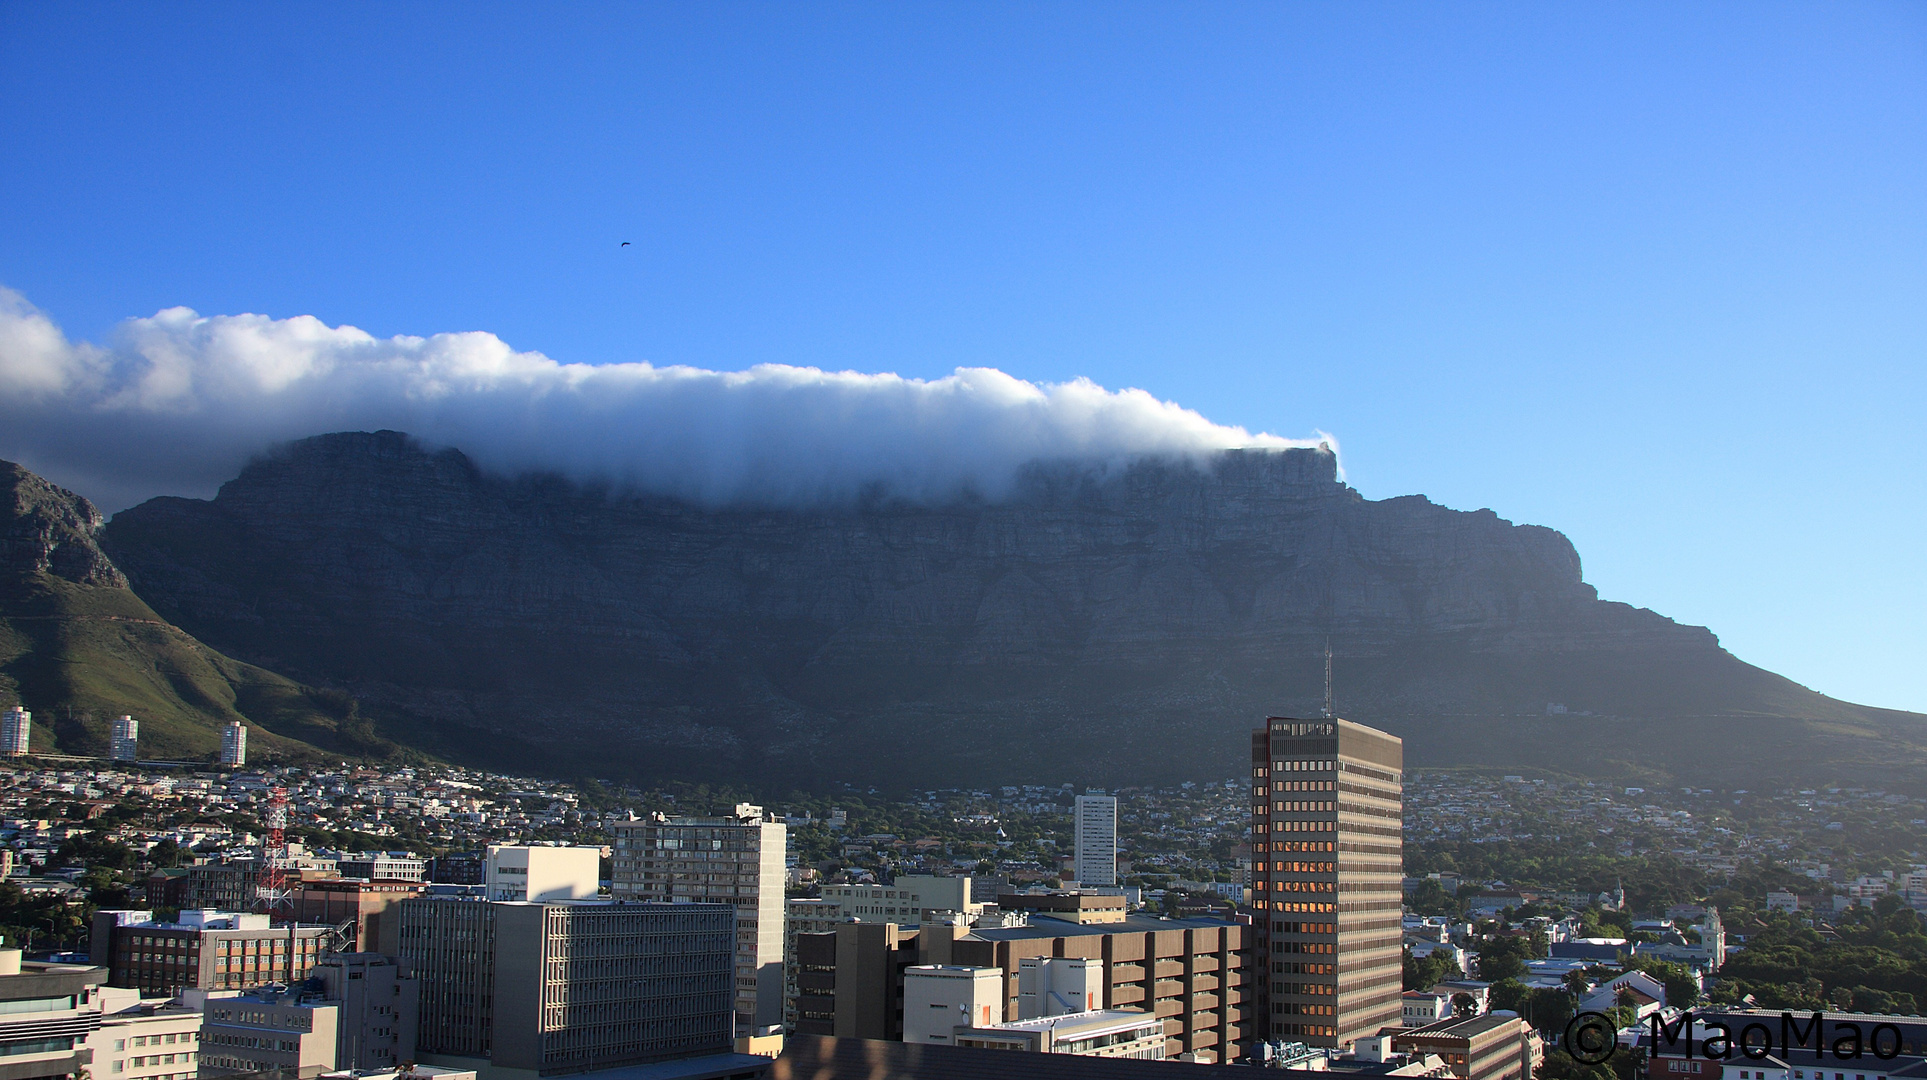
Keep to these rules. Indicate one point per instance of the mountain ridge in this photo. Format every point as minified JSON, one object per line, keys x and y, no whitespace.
{"x":535,"y":620}
{"x":78,"y":647}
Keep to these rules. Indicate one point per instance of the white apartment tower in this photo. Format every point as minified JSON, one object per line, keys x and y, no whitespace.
{"x":234,"y":745}
{"x":124,"y":738}
{"x":735,"y":860}
{"x":542,"y":874}
{"x":1097,"y":840}
{"x":16,"y":730}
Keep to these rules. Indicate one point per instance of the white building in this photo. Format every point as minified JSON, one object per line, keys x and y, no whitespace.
{"x":152,"y":1039}
{"x":1113,"y":1033}
{"x":542,"y":873}
{"x":905,"y":900}
{"x":123,"y":739}
{"x":1057,"y":985}
{"x":16,"y":731}
{"x":269,"y":1028}
{"x":1096,"y":825}
{"x":735,"y":860}
{"x":940,"y":998}
{"x":1422,"y":1007}
{"x":234,"y":745}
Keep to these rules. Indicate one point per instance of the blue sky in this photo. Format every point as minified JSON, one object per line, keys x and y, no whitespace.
{"x":1653,"y":275}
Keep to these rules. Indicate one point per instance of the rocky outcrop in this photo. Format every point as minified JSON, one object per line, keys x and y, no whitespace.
{"x":50,"y":530}
{"x":1097,"y":624}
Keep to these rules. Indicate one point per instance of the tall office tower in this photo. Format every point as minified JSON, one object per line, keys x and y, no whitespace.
{"x":124,"y":739}
{"x":16,"y":731}
{"x":735,"y":860}
{"x":1097,"y":840}
{"x":234,"y":745}
{"x":1327,"y":853}
{"x":545,"y":989}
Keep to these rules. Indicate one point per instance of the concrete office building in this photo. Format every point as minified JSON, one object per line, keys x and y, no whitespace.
{"x":378,"y":1007}
{"x":269,"y":1027}
{"x":370,"y":906}
{"x":541,"y":874}
{"x":911,"y":899}
{"x":16,"y":732}
{"x":519,"y":990}
{"x":940,"y":998}
{"x":1327,"y":873}
{"x":1095,"y":825}
{"x":124,"y":739}
{"x":234,"y":745}
{"x":46,"y":1012}
{"x":205,"y":950}
{"x":1187,"y":973}
{"x":735,"y":860}
{"x":381,"y":868}
{"x":143,"y":1038}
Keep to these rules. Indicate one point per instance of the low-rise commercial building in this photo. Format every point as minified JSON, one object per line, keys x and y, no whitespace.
{"x":207,"y":950}
{"x":291,"y":1029}
{"x":370,"y":906}
{"x":381,"y":868}
{"x":541,"y":874}
{"x":143,"y":1038}
{"x":1114,"y":1033}
{"x":1477,"y":1048}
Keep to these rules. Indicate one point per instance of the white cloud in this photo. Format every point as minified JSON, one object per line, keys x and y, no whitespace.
{"x":177,"y":403}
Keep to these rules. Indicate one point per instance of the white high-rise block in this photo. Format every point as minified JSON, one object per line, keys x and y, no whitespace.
{"x":1097,"y":840}
{"x":234,"y":745}
{"x":16,"y":731}
{"x":542,"y":873}
{"x":124,"y":739}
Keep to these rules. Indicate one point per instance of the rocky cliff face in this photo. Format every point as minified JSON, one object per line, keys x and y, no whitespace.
{"x":1096,"y":625}
{"x":50,"y":530}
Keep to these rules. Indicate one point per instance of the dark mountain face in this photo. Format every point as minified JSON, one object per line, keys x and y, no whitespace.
{"x":1105,"y":627}
{"x":49,"y":530}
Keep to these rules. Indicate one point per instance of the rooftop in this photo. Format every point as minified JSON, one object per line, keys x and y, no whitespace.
{"x":1044,"y":926}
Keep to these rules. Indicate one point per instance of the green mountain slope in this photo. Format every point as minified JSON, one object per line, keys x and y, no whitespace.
{"x":78,"y":648}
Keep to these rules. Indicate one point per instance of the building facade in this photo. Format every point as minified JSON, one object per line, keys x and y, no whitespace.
{"x":542,"y":874}
{"x":1478,"y":1048}
{"x":1327,"y":872}
{"x":1187,"y":973}
{"x":544,"y":989}
{"x":735,"y":860}
{"x":1095,"y":826}
{"x":370,"y":906}
{"x":47,"y":1012}
{"x":124,"y":739}
{"x":234,"y":745}
{"x":205,"y":950}
{"x":378,"y":1007}
{"x":143,"y":1039}
{"x":16,"y":732}
{"x":284,"y":1028}
{"x":381,"y":868}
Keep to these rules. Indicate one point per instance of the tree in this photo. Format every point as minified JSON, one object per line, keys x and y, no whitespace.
{"x":1549,"y":1009}
{"x":1499,"y":966}
{"x":1577,"y":984}
{"x":1425,"y":972}
{"x":1509,"y":995}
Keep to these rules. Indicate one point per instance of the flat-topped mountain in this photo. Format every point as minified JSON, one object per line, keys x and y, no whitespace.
{"x":1096,"y":625}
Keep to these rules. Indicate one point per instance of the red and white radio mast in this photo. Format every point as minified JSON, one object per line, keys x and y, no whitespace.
{"x":272,"y":895}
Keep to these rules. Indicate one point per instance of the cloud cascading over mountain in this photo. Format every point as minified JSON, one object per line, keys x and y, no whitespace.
{"x":176,"y":403}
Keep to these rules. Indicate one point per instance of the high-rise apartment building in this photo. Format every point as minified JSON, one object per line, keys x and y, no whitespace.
{"x":735,"y":860}
{"x":1327,"y":860}
{"x":1096,"y":836}
{"x":124,"y":739}
{"x":16,"y":731}
{"x":539,"y":989}
{"x":234,"y":745}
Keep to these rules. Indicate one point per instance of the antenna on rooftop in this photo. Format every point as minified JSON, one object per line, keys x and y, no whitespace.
{"x":1329,"y":714}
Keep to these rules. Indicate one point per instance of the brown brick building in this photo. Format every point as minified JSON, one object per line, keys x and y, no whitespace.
{"x":1478,"y":1048}
{"x":370,"y":905}
{"x":1327,"y":865}
{"x":1188,"y":972}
